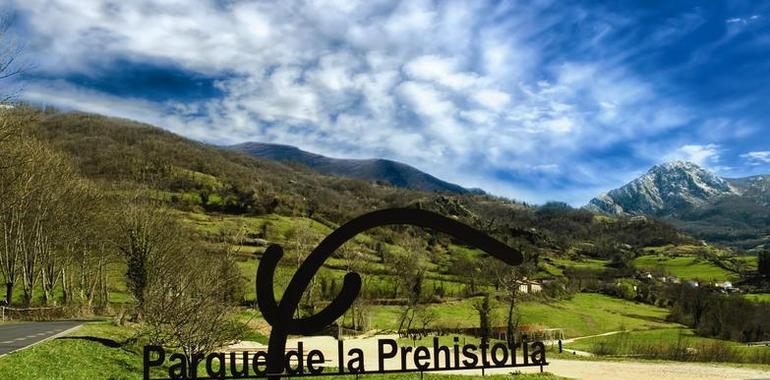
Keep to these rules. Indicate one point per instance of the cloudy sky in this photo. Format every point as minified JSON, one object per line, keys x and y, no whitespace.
{"x":533,"y":100}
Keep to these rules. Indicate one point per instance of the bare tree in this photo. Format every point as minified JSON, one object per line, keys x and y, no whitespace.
{"x":82,"y":248}
{"x":184,"y":308}
{"x":353,"y":262}
{"x":410,"y":268}
{"x":10,"y":50}
{"x":54,"y":184}
{"x":510,"y":280}
{"x":146,"y":235}
{"x":302,"y":239}
{"x":22,"y":183}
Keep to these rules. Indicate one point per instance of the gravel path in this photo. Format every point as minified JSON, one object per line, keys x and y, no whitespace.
{"x":576,"y":369}
{"x":581,"y":369}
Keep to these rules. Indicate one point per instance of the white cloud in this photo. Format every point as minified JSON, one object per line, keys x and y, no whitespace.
{"x":703,"y":155}
{"x":440,"y":70}
{"x":757,"y":158}
{"x":492,"y":99}
{"x":743,"y":20}
{"x":451,"y":87}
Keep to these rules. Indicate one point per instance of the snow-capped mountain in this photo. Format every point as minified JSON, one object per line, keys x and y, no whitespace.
{"x":665,"y":189}
{"x":730,"y":211}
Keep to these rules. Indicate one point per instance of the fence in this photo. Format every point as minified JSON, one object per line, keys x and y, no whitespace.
{"x":532,"y":332}
{"x":33,"y":313}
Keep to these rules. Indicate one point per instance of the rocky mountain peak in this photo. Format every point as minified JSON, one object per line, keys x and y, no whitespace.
{"x":664,"y":190}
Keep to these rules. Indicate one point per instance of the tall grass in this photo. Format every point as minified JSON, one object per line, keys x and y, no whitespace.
{"x":681,"y":349}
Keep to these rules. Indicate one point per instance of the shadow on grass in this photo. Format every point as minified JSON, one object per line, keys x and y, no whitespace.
{"x":647,"y":318}
{"x":103,"y":341}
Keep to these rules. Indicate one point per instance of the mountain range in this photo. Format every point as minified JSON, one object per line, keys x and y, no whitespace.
{"x":734,"y":211}
{"x":731,"y":211}
{"x":378,"y":170}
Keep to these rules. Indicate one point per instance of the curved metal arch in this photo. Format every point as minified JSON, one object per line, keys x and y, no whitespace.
{"x":280,"y":314}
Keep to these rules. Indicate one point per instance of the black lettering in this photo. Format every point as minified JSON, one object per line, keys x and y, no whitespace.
{"x":484,"y":361}
{"x":469,"y":351}
{"x":147,"y":362}
{"x":421,"y":353}
{"x":538,"y":353}
{"x":297,"y":354}
{"x":498,"y":347}
{"x":524,"y":347}
{"x":197,"y":358}
{"x":260,"y":358}
{"x":315,"y":357}
{"x":382,"y":355}
{"x":220,"y":357}
{"x":281,"y":318}
{"x":358,"y":361}
{"x":244,"y":371}
{"x":436,"y":354}
{"x":177,"y":370}
{"x":404,"y":351}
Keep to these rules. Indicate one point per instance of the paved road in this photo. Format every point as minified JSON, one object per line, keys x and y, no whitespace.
{"x":14,"y":336}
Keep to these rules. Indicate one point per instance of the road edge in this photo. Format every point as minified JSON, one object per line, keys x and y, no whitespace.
{"x":62,"y":333}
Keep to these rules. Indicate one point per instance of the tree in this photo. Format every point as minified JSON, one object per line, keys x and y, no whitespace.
{"x":409,"y":269}
{"x":185,"y":308}
{"x":510,"y":279}
{"x":54,"y":190}
{"x":484,"y":308}
{"x":353,"y":262}
{"x":89,"y":218}
{"x":763,"y":264}
{"x":10,"y":50}
{"x":303,"y":238}
{"x":146,"y":236}
{"x":36,"y":183}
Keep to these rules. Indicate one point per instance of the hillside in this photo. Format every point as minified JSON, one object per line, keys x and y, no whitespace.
{"x":219,"y":210}
{"x":378,"y":170}
{"x":206,"y":178}
{"x":197,"y":177}
{"x":732,"y":211}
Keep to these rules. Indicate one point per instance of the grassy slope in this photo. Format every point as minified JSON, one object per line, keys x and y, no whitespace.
{"x":77,"y":358}
{"x":589,"y":314}
{"x":761,"y":297}
{"x":585,"y":314}
{"x":685,"y":267}
{"x":666,"y":336}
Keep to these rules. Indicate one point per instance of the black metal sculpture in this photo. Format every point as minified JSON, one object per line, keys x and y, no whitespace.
{"x":280,"y":315}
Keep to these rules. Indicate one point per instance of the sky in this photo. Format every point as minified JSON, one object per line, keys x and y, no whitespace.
{"x":533,"y":100}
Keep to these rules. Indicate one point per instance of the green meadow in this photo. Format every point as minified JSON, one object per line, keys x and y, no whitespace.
{"x":685,"y":267}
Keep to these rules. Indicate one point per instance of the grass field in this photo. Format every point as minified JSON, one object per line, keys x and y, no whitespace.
{"x":638,"y":342}
{"x":589,"y":314}
{"x":585,"y":314}
{"x":685,"y":267}
{"x":759,"y":297}
{"x":78,"y":358}
{"x":593,"y":264}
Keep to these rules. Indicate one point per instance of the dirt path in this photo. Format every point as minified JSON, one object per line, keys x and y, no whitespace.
{"x":576,"y":369}
{"x":581,"y":369}
{"x":570,"y":340}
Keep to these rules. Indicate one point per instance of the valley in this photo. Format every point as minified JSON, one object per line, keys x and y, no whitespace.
{"x":211,"y":213}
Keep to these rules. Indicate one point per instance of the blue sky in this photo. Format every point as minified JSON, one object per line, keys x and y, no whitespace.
{"x":532,"y":100}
